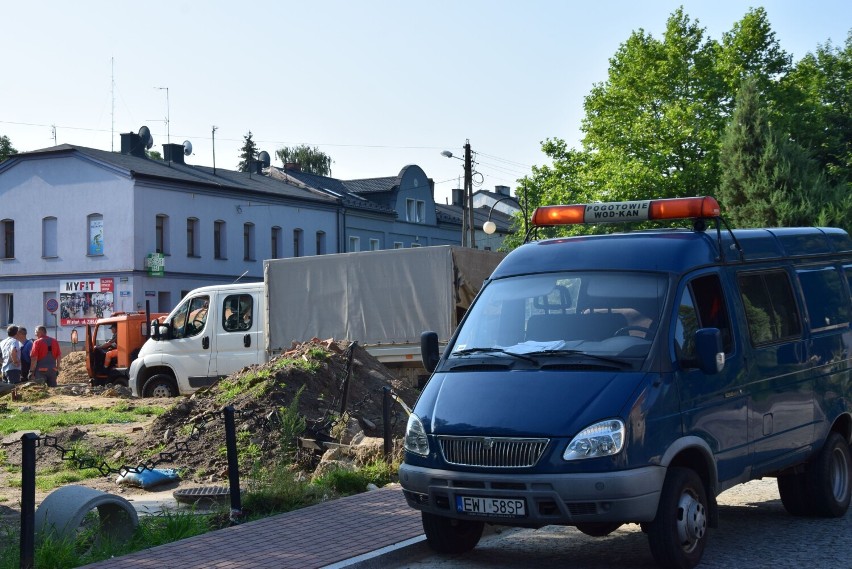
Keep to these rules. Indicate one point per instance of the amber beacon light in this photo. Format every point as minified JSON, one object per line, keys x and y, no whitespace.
{"x":615,"y":212}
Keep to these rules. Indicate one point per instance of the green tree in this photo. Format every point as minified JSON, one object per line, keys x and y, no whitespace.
{"x":819,"y":109}
{"x":309,"y":159}
{"x":154,"y":154}
{"x":248,"y":153}
{"x":769,"y":180}
{"x":652,"y":128}
{"x":6,"y":148}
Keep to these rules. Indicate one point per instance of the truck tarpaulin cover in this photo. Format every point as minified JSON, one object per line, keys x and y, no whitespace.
{"x":373,"y":297}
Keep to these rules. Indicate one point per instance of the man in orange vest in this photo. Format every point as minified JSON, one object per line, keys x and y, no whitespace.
{"x":45,"y":357}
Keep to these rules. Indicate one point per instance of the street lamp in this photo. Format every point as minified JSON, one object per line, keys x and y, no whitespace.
{"x":489,"y":227}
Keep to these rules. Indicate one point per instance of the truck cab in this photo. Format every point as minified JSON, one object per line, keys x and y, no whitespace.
{"x":632,"y":377}
{"x":213,"y":332}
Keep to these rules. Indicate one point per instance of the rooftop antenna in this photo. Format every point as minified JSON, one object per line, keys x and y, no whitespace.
{"x":166,"y":89}
{"x":241,"y":276}
{"x":214,"y":149}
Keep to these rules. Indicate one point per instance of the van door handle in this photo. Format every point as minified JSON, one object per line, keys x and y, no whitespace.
{"x":205,"y":342}
{"x":247,"y":340}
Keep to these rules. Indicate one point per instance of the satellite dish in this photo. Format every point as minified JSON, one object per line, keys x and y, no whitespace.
{"x":187,"y":148}
{"x":147,"y":139}
{"x":264,"y":159}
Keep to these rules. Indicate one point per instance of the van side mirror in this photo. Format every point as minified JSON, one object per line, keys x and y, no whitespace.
{"x":154,"y":328}
{"x":429,"y":350}
{"x":708,"y":348}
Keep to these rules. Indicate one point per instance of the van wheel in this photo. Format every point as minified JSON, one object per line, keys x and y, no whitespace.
{"x":828,"y":478}
{"x":448,"y":535}
{"x":598,"y":529}
{"x":678,"y":534}
{"x":160,"y":385}
{"x":793,"y":489}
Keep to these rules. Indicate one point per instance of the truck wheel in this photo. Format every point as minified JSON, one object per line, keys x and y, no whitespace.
{"x":828,"y":478}
{"x":448,"y":535}
{"x":678,"y":534}
{"x":598,"y":529}
{"x":160,"y":385}
{"x":793,"y":489}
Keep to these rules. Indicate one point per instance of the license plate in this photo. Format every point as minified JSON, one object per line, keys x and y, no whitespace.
{"x":499,"y":507}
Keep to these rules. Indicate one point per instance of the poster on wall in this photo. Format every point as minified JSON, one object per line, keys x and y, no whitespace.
{"x":83,"y":301}
{"x":96,"y":237}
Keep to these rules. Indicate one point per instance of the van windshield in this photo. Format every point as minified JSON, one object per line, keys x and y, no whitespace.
{"x":613,"y":314}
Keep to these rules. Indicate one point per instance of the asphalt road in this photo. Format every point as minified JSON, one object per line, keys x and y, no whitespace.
{"x":754,"y":532}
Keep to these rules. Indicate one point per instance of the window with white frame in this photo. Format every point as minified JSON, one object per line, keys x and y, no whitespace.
{"x":192,"y":237}
{"x":276,"y":243}
{"x":220,"y":240}
{"x":248,"y":241}
{"x":49,"y":243}
{"x":8,"y":237}
{"x":321,"y":243}
{"x":421,"y":211}
{"x":162,"y":233}
{"x":410,"y":210}
{"x":298,"y":245}
{"x":374,"y":244}
{"x":354,"y":244}
{"x":398,"y":245}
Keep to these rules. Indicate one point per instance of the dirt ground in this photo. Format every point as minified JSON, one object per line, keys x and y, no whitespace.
{"x":190,"y":435}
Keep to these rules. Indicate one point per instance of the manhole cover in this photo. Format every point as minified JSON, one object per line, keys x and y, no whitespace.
{"x":216,"y":494}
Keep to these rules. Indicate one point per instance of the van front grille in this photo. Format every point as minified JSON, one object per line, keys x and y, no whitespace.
{"x":495,"y":452}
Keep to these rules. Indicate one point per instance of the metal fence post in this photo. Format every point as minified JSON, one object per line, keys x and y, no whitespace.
{"x":233,"y":463}
{"x":386,"y":427}
{"x":28,"y":485}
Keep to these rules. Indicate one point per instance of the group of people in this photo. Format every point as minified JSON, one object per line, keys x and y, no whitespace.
{"x":25,"y":359}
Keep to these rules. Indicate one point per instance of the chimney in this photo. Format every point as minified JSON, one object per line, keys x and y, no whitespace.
{"x":294,"y":166}
{"x":132,"y":144}
{"x":458,"y":197}
{"x":502,"y":190}
{"x":173,"y":153}
{"x":257,"y":166}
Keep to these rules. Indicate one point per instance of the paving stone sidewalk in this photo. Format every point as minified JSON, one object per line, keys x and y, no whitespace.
{"x":307,"y":538}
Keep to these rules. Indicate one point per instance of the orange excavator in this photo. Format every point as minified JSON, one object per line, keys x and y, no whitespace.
{"x":132,"y":330}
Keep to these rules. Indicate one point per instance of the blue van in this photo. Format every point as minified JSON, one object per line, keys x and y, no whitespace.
{"x":633,"y":377}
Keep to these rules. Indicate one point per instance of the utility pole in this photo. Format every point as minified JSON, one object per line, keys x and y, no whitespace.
{"x":468,"y":191}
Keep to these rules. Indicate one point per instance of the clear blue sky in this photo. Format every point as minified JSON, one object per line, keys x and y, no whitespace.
{"x":376,"y":85}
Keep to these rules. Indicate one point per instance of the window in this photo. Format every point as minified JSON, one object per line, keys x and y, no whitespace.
{"x":191,"y":317}
{"x":237,"y":312}
{"x":8,"y":239}
{"x":162,"y":234}
{"x":397,"y":245}
{"x":421,"y":211}
{"x":192,"y":249}
{"x":415,"y":244}
{"x":354,"y":244}
{"x":297,"y":243}
{"x":219,"y":240}
{"x":48,"y":237}
{"x":410,"y":210}
{"x":276,"y":243}
{"x":374,"y":244}
{"x":95,"y":223}
{"x":825,"y":298}
{"x":702,"y":306}
{"x":248,"y":242}
{"x":770,"y":307}
{"x":320,"y":242}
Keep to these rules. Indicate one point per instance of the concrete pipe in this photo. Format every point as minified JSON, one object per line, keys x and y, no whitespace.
{"x":62,"y":512}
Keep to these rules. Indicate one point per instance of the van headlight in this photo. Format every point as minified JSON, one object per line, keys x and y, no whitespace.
{"x":415,"y":436}
{"x":601,"y":439}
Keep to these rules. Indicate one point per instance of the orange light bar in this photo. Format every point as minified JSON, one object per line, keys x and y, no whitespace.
{"x":614,"y":212}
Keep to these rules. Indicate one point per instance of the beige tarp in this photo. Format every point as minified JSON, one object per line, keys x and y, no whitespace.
{"x":375,"y":297}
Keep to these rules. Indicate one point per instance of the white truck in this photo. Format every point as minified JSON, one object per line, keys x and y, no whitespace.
{"x":381,"y":299}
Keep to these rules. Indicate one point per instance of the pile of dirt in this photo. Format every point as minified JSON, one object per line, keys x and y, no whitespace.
{"x":72,"y":368}
{"x":313,"y":373}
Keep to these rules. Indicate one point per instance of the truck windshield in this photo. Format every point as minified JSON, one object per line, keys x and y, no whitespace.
{"x":612,"y":314}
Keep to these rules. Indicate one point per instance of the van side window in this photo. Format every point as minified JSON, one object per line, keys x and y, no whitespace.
{"x":825,"y":298}
{"x":237,"y":312}
{"x":770,"y":307}
{"x":702,"y":306}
